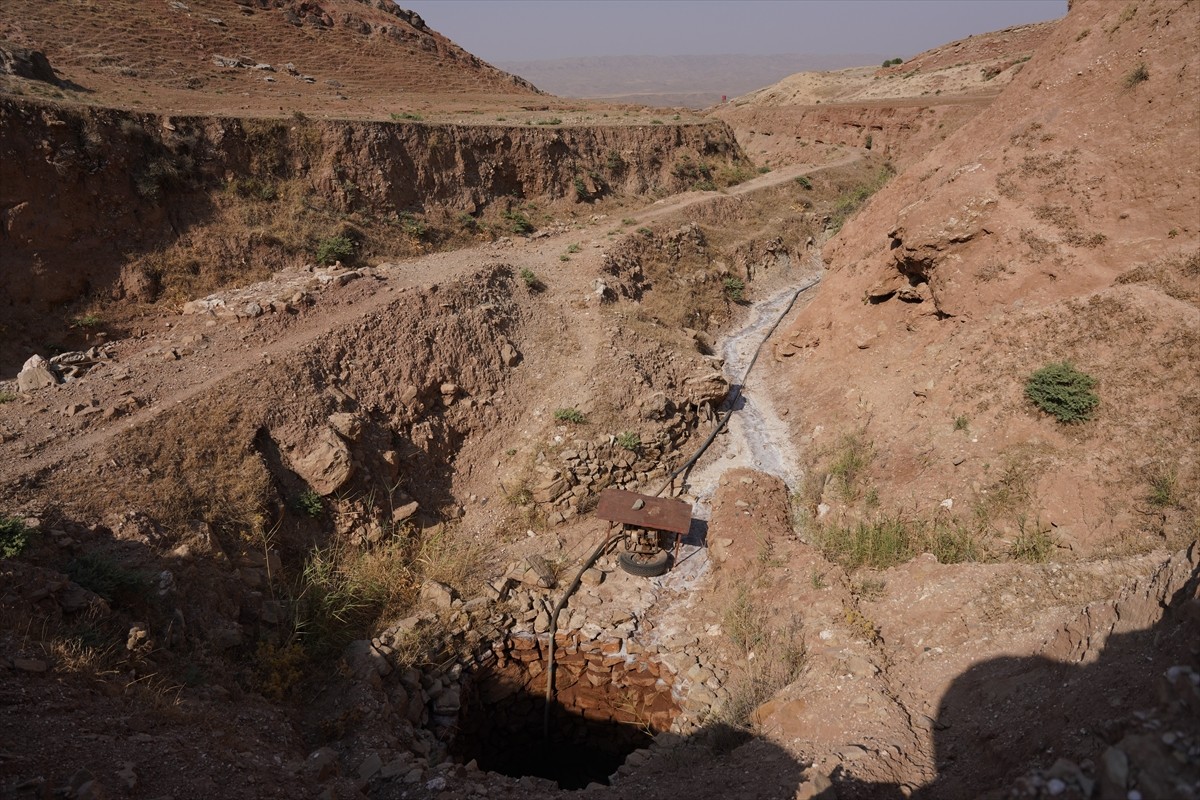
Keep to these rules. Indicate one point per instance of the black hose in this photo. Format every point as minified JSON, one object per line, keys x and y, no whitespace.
{"x":609,"y":540}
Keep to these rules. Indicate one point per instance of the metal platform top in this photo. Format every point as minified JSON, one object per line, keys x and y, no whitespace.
{"x":657,"y":513}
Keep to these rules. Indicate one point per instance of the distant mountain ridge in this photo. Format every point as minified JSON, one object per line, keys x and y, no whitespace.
{"x":696,"y":81}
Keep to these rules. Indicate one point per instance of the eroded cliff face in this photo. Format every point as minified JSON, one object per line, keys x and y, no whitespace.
{"x":90,"y":195}
{"x":1059,"y":224}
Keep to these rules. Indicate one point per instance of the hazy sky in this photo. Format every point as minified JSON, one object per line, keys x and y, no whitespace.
{"x":523,"y":30}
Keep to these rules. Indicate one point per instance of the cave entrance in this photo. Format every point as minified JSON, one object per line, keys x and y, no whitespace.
{"x":607,"y":707}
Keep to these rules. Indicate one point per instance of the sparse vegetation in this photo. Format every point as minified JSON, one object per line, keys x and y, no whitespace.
{"x":310,"y":504}
{"x":532,"y":282}
{"x":571,"y":415}
{"x":406,"y":115}
{"x":1164,"y":488}
{"x":14,"y":536}
{"x":961,"y":423}
{"x":1138,"y":74}
{"x":573,"y":247}
{"x":1033,"y":544}
{"x":893,"y":62}
{"x":7,"y":397}
{"x":517,"y":222}
{"x":851,"y":458}
{"x":805,"y":182}
{"x":334,"y":248}
{"x":888,"y":540}
{"x":1063,"y":392}
{"x":853,"y":200}
{"x":629,"y":441}
{"x":550,"y":121}
{"x":735,"y":289}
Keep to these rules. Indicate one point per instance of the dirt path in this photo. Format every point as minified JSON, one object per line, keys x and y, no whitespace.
{"x":38,"y":434}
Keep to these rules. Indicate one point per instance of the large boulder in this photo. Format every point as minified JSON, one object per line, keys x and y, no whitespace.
{"x":25,"y":63}
{"x":36,"y":374}
{"x":324,"y":463}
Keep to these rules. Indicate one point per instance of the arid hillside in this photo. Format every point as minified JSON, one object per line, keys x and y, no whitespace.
{"x":461,"y":442}
{"x":1058,"y":225}
{"x":254,"y":57}
{"x":900,"y":109}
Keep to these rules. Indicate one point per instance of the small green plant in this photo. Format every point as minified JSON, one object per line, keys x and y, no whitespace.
{"x":1138,"y":74}
{"x":467,"y":221}
{"x":532,"y":282}
{"x":14,"y":536}
{"x":961,"y":423}
{"x":564,"y":257}
{"x":628,"y":221}
{"x":1063,"y":392}
{"x":334,"y":248}
{"x":656,"y":122}
{"x":572,"y":415}
{"x":870,"y":140}
{"x":764,"y":169}
{"x":816,"y":578}
{"x":735,"y":289}
{"x":1164,"y":489}
{"x":629,"y":441}
{"x":893,"y":62}
{"x":872,"y":498}
{"x":645,"y":231}
{"x":7,"y":397}
{"x":406,"y":115}
{"x":310,"y":503}
{"x":573,"y":248}
{"x":805,"y":182}
{"x":550,"y":121}
{"x":413,"y":226}
{"x":1171,"y":234}
{"x":850,"y":461}
{"x":517,"y":222}
{"x":87,"y":321}
{"x":581,"y":191}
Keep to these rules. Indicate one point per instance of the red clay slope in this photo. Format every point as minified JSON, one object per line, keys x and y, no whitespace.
{"x":1060,"y":223}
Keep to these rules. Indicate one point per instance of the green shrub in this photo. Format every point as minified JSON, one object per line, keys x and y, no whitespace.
{"x":310,"y":503}
{"x":517,"y":222}
{"x":629,"y":441}
{"x":645,"y":231}
{"x":572,"y":415}
{"x":961,"y":423}
{"x":573,"y":248}
{"x":7,"y":397}
{"x":550,"y":121}
{"x":1063,"y":392}
{"x":14,"y":536}
{"x":532,"y":282}
{"x":334,"y":248}
{"x":869,"y":141}
{"x":407,"y":115}
{"x":805,"y":182}
{"x":413,"y":226}
{"x":735,"y":289}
